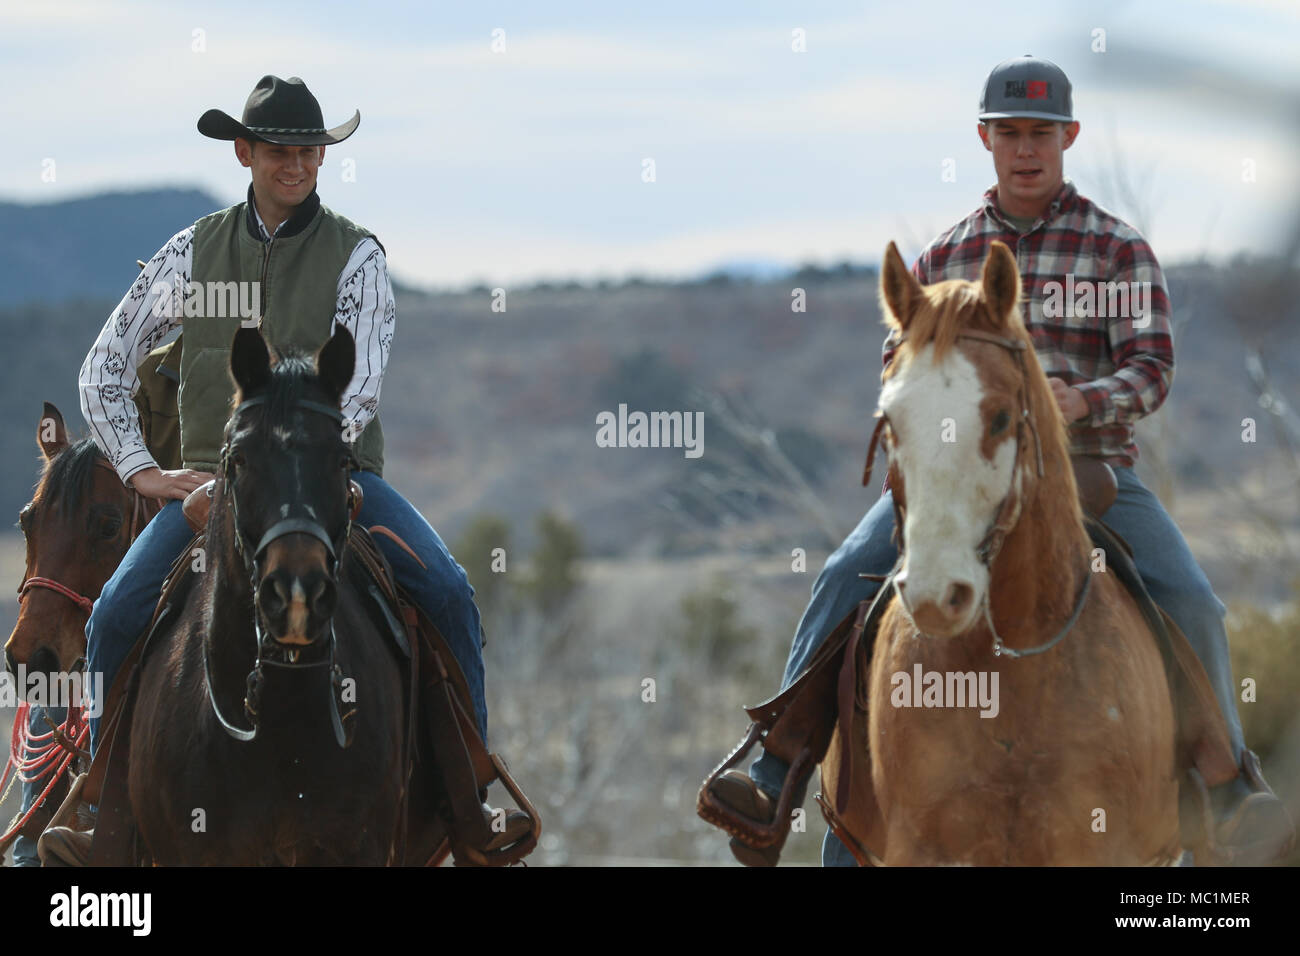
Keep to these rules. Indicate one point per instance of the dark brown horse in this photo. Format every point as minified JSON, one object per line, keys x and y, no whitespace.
{"x":78,"y":527}
{"x":270,"y":727}
{"x":1064,"y":749}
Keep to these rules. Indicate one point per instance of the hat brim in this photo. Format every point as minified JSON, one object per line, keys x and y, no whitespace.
{"x":1028,"y":114}
{"x":216,"y":124}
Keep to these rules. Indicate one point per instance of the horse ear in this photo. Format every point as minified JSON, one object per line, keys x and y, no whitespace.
{"x":336,"y":361}
{"x":250,"y":360}
{"x":51,"y":434}
{"x":900,"y":292}
{"x":1001,"y":281}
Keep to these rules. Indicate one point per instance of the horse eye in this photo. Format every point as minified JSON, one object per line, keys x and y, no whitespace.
{"x":110,"y":527}
{"x":1000,"y":422}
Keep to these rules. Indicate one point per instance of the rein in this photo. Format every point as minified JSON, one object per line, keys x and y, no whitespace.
{"x":270,"y":657}
{"x":139,"y":519}
{"x":1008,"y":512}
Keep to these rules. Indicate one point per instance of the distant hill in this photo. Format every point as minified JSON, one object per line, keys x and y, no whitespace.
{"x":86,"y":248}
{"x":488,"y":411}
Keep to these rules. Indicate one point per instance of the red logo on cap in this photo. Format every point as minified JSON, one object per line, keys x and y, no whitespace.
{"x":1037,"y":89}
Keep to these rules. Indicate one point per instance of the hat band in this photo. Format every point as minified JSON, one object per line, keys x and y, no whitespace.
{"x":282,"y":129}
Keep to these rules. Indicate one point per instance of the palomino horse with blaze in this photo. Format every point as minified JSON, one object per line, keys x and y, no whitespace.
{"x":1073,"y":759}
{"x":78,"y":527}
{"x":269,"y":696}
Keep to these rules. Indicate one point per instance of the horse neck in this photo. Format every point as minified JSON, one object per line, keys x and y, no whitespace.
{"x":1037,"y":574}
{"x":229,"y":630}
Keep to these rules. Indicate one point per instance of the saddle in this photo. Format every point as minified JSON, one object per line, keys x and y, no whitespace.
{"x":828,"y":699}
{"x":441,"y":729}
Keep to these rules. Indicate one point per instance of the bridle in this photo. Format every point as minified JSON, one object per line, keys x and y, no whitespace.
{"x":140,"y":516}
{"x":1008,"y":512}
{"x":273,"y":660}
{"x":300,"y":523}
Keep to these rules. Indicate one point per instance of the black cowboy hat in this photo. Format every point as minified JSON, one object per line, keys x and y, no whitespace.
{"x":278,"y":111}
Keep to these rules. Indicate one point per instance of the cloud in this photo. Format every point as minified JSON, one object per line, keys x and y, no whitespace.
{"x":526,"y":163}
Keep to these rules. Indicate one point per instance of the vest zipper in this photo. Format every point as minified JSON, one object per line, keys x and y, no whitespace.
{"x":266,"y":265}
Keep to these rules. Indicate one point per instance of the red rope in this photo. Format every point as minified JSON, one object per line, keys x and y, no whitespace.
{"x":52,"y":759}
{"x":83,"y":602}
{"x":15,"y":735}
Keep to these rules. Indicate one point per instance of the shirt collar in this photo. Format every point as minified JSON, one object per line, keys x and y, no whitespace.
{"x":261,"y":225}
{"x":298,"y":220}
{"x":1064,"y":202}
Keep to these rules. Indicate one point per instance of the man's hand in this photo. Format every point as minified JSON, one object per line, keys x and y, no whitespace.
{"x":1071,"y":401}
{"x":153,"y":483}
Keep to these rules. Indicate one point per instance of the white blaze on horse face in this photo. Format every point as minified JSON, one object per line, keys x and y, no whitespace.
{"x":296,"y":632}
{"x":952,"y":490}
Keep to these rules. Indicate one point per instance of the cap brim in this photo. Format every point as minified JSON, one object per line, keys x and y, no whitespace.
{"x":216,"y":124}
{"x":1025,"y":114}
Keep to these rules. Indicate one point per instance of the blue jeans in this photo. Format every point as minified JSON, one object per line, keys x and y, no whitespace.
{"x":24,"y":847}
{"x":1171,"y":575}
{"x":443,"y":592}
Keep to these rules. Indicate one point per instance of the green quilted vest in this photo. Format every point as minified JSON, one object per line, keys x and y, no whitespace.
{"x":298,"y":276}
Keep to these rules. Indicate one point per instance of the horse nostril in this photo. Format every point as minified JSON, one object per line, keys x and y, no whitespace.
{"x":273,"y":595}
{"x":960,"y":597}
{"x":324,"y":597}
{"x":43,"y":660}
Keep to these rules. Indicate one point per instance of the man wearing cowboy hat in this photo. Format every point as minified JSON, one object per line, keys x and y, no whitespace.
{"x":1106,"y":373}
{"x":299,"y":268}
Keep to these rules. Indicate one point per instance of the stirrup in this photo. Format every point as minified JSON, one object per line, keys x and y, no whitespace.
{"x":1197,"y":809}
{"x":747,"y":831}
{"x":466,"y":855}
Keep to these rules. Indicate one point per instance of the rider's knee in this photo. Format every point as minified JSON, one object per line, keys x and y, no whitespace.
{"x":844,"y":564}
{"x":1193,"y":602}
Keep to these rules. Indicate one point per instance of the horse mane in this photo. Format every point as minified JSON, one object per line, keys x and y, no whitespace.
{"x":1048,"y":419}
{"x":68,"y":477}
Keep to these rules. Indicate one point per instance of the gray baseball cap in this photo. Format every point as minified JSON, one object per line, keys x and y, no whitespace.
{"x":1027,"y":86}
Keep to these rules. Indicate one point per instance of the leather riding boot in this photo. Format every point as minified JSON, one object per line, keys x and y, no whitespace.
{"x":1253,"y":827}
{"x":64,"y":846}
{"x":742,"y":795}
{"x":515,"y":826}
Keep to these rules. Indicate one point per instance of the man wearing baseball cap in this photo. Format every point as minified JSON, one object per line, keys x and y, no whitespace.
{"x":1106,"y":373}
{"x":313,"y":269}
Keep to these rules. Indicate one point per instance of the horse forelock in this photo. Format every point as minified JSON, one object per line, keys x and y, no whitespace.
{"x":293,"y":378}
{"x":943,"y":311}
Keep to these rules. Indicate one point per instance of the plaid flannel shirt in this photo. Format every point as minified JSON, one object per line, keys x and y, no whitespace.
{"x":1123,"y":365}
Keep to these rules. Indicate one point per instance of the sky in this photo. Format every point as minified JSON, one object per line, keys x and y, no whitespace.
{"x":528,"y":162}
